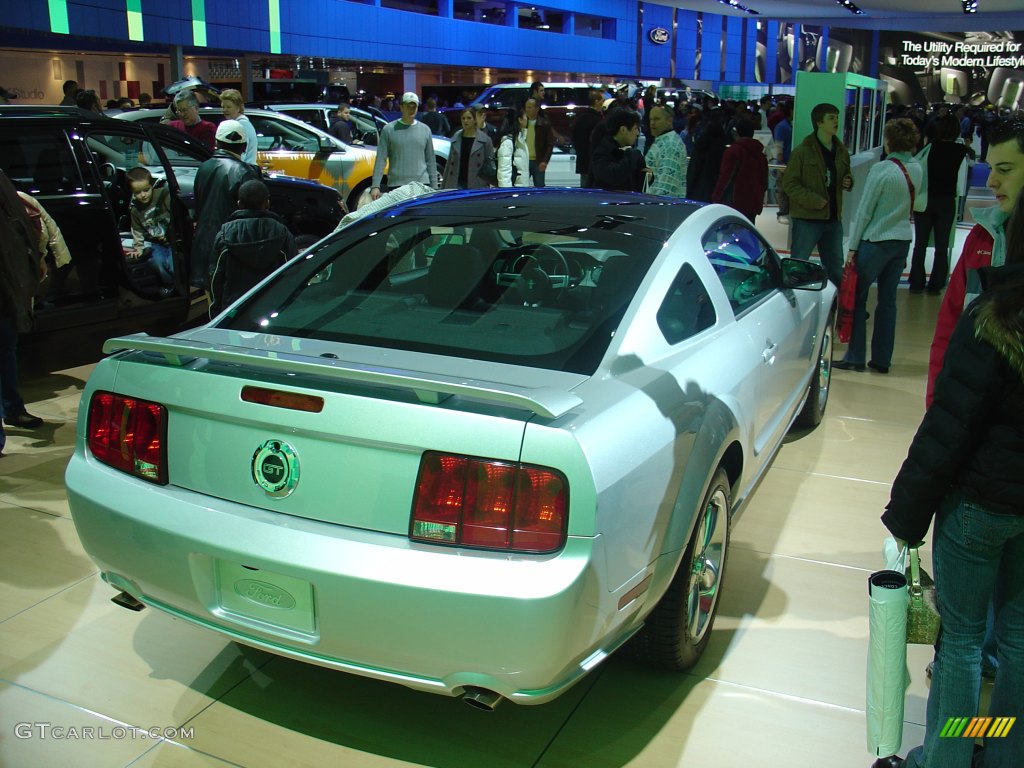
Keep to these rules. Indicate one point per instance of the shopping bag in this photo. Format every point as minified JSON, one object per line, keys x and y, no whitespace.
{"x":847,"y":300}
{"x":887,"y":677}
{"x":922,"y":612}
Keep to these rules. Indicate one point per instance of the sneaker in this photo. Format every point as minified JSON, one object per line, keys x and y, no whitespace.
{"x":23,"y":420}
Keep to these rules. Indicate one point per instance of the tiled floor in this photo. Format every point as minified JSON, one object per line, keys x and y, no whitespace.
{"x":782,"y":682}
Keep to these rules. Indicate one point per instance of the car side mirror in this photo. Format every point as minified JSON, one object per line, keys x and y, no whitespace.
{"x":804,"y":275}
{"x":326,"y":145}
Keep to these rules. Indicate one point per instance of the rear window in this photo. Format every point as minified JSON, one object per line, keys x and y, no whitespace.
{"x":540,"y":294}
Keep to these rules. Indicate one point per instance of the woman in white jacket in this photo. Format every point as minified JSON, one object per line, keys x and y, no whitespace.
{"x":513,"y":154}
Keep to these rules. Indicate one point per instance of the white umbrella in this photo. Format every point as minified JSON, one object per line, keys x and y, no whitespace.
{"x":887,"y":676}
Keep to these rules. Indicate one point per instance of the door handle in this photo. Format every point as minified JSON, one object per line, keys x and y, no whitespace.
{"x":768,"y":355}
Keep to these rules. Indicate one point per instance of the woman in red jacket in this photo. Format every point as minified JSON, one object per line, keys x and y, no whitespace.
{"x":743,"y":177}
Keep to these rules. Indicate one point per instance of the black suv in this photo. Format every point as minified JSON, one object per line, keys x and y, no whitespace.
{"x":74,"y":163}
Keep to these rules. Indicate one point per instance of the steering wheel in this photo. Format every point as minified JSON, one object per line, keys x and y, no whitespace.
{"x":537,"y":273}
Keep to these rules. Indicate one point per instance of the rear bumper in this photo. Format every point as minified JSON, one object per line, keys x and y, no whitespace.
{"x":430,"y":618}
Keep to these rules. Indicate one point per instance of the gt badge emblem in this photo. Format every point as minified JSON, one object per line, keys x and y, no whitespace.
{"x":275,"y":468}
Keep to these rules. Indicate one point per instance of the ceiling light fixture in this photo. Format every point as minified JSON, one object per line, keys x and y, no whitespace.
{"x":970,"y":6}
{"x":738,"y":7}
{"x":848,"y":5}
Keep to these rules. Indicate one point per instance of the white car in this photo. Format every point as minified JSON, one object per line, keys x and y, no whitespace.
{"x":366,"y":130}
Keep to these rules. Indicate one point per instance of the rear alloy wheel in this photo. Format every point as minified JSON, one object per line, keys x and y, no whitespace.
{"x":817,"y":396}
{"x":677,"y":631}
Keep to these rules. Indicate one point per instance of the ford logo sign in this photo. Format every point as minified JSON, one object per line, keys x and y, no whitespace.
{"x":658,"y":35}
{"x":262,"y":593}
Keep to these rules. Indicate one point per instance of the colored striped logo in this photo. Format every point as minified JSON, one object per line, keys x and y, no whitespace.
{"x":977,"y":727}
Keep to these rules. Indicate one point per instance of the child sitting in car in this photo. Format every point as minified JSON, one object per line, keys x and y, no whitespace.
{"x":151,"y":225}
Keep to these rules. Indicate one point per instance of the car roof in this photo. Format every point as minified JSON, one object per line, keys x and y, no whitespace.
{"x":212,"y":109}
{"x":51,"y":111}
{"x":645,"y":216}
{"x":545,"y":84}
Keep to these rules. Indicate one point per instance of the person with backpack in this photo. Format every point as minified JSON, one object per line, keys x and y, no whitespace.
{"x":251,"y":244}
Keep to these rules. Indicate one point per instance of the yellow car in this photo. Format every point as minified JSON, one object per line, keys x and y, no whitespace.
{"x":294,"y":148}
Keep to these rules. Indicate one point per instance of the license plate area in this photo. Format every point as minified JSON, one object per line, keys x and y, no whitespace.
{"x":265,"y":597}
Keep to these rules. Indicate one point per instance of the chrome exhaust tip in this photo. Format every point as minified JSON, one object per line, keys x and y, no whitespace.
{"x":481,"y":698}
{"x":127,"y":601}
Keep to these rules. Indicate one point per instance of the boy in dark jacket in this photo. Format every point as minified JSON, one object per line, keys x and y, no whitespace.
{"x":251,"y":244}
{"x":615,"y":164}
{"x":151,"y":225}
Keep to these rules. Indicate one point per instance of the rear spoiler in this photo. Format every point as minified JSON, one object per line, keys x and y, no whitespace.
{"x":428,"y":388}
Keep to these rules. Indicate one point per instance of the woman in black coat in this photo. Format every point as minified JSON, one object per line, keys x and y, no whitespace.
{"x":705,"y":162}
{"x":965,"y":468}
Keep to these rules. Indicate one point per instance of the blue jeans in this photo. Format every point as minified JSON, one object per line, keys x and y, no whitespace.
{"x":163,"y":262}
{"x":978,"y":555}
{"x":536,"y":174}
{"x":828,"y":237}
{"x":883,"y":261}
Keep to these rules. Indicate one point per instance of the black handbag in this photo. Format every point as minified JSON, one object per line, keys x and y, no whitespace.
{"x":489,"y":170}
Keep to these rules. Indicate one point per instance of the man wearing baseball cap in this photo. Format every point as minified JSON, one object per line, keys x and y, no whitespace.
{"x":406,"y":148}
{"x":216,"y":191}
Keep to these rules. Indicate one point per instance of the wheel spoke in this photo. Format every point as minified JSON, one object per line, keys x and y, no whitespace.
{"x":706,"y":566}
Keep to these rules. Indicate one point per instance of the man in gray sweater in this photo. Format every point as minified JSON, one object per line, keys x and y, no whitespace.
{"x":406,"y":147}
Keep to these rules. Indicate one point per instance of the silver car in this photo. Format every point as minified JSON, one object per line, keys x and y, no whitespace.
{"x":471,"y":444}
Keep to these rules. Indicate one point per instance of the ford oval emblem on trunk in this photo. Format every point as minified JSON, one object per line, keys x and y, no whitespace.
{"x":262,"y":593}
{"x":275,"y":468}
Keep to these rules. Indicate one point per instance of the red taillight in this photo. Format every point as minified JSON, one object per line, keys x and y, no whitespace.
{"x":489,"y":504}
{"x":129,"y":434}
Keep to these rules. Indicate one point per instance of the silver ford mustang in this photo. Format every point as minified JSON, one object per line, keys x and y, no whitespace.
{"x":471,"y":444}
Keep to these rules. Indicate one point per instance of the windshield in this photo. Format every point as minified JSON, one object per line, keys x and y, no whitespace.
{"x":526,"y":292}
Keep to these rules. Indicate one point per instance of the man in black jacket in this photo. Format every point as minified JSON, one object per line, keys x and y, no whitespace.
{"x":216,"y":190}
{"x":615,"y":164}
{"x":341,"y":125}
{"x":583,"y":127}
{"x":250,"y":245}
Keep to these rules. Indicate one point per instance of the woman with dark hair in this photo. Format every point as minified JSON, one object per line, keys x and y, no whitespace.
{"x":88,"y":100}
{"x":470,"y":157}
{"x":513,"y":154}
{"x":880,"y":241}
{"x":20,"y":274}
{"x":943,"y":167}
{"x":965,"y":468}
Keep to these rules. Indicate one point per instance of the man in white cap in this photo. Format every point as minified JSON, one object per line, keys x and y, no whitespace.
{"x":405,"y":146}
{"x":216,"y":192}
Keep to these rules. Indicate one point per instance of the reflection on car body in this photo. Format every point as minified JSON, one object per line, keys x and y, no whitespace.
{"x":471,"y":444}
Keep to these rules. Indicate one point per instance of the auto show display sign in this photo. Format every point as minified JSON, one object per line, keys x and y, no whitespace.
{"x":958,"y":68}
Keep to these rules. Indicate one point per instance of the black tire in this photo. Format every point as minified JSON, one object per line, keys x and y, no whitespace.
{"x":677,"y":631}
{"x":821,"y":381}
{"x":353,"y":198}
